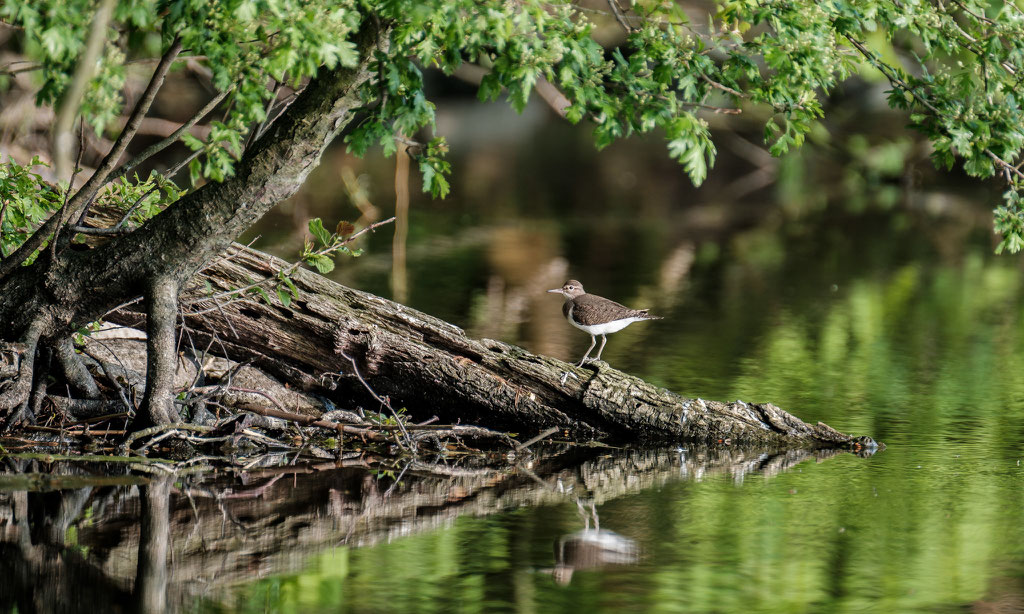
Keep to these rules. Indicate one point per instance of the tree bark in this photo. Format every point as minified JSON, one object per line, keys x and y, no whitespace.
{"x":332,"y":339}
{"x":161,"y":315}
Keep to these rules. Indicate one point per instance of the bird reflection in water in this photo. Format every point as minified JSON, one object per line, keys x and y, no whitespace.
{"x":590,"y":548}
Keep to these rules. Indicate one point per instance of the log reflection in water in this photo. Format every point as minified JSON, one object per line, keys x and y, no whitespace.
{"x":220,"y":529}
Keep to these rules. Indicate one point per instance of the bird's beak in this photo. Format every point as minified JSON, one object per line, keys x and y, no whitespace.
{"x":556,"y":290}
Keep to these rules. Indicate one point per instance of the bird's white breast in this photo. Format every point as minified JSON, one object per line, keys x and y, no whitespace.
{"x":602,"y":329}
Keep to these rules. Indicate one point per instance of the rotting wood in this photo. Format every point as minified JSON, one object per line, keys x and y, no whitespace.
{"x":431,"y":367}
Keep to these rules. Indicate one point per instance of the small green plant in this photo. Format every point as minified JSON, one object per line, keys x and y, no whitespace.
{"x":140,"y":199}
{"x":25,"y":202}
{"x":319,"y":253}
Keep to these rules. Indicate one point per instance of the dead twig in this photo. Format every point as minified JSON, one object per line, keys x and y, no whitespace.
{"x":157,"y":430}
{"x":384,"y":402}
{"x":299,"y":418}
{"x":533,"y":440}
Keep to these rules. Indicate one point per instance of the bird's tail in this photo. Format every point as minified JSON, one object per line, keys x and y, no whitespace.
{"x":647,"y":316}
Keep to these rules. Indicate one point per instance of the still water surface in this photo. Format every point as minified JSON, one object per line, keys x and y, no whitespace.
{"x":916,"y":529}
{"x":895,"y":325}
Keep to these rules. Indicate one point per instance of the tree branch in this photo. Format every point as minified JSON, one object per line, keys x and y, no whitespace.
{"x":1008,"y":169}
{"x":258,"y":129}
{"x":617,"y":11}
{"x":99,"y":178}
{"x":3,"y":212}
{"x":156,"y":148}
{"x":79,"y":203}
{"x":69,"y":106}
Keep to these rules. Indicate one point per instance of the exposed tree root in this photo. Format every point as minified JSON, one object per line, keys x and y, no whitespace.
{"x":85,"y":408}
{"x":75,"y":372}
{"x":16,"y":394}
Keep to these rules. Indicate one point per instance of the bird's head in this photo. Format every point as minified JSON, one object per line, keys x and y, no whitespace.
{"x":570,"y":289}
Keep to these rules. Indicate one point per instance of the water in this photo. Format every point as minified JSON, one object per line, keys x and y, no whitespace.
{"x":894,"y":321}
{"x":915,"y":529}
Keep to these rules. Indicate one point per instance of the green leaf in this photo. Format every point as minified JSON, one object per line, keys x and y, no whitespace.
{"x":324,"y":264}
{"x":316,"y":228}
{"x":192,"y":142}
{"x":291,"y":287}
{"x":490,"y":88}
{"x":283,"y":294}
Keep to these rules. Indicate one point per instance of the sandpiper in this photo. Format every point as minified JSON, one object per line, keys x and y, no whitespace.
{"x":596,"y":315}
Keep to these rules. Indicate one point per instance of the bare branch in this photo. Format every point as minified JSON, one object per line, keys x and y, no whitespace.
{"x":281,"y":108}
{"x":724,"y":88}
{"x":383,"y":401}
{"x":181,"y":58}
{"x":552,"y":95}
{"x":714,"y":109}
{"x":399,"y":274}
{"x":617,"y":11}
{"x":148,"y":152}
{"x":300,"y":418}
{"x":535,"y":439}
{"x":258,"y":130}
{"x":99,"y":178}
{"x":3,"y":212}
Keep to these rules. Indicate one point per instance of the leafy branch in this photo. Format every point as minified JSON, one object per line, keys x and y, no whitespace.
{"x":319,"y":254}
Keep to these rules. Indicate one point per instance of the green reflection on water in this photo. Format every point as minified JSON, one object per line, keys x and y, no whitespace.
{"x":914,"y":529}
{"x":874,"y":332}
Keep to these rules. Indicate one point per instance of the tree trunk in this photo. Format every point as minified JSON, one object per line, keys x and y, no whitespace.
{"x":162,"y":363}
{"x":48,"y":300}
{"x":333,"y":337}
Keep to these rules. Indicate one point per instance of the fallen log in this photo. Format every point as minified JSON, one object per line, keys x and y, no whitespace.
{"x":339,"y":342}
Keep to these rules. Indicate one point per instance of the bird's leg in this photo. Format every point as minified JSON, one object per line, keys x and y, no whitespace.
{"x":604,"y":340}
{"x":593,"y":342}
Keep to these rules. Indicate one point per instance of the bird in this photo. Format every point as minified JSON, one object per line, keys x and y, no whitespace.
{"x":591,"y":548}
{"x":596,"y":315}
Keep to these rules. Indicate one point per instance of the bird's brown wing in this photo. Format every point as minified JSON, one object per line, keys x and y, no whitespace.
{"x":590,"y":309}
